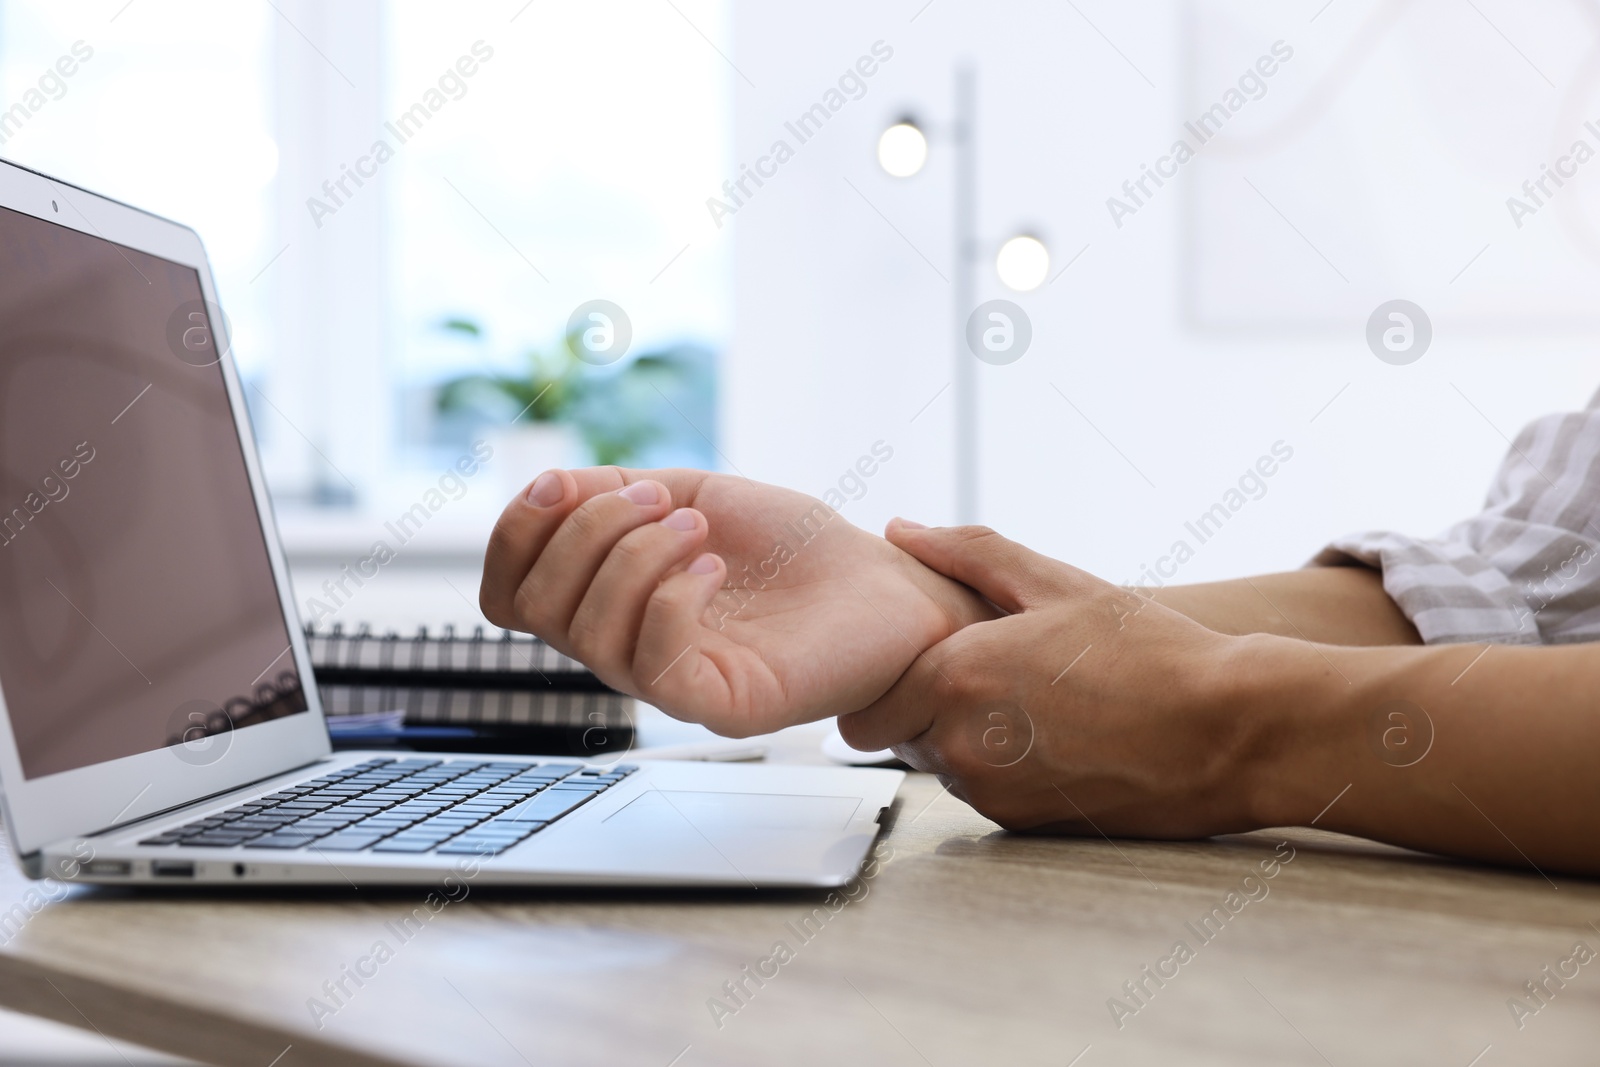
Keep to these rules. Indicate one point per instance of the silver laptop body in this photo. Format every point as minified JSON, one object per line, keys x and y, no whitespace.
{"x":159,"y":722}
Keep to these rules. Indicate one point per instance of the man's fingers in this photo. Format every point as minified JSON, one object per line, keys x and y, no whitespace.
{"x":526,"y":526}
{"x":669,"y":667}
{"x":549,"y":596}
{"x":605,"y":627}
{"x":1011,"y":576}
{"x":533,"y":515}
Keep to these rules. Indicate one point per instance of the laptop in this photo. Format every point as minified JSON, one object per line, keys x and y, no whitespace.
{"x":159,"y":721}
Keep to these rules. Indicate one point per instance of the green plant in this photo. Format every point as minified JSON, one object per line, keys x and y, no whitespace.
{"x":619,"y":411}
{"x":543,"y":394}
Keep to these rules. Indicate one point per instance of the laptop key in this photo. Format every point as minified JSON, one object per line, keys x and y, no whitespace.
{"x":468,"y":844}
{"x":348,"y":842}
{"x":410,"y":815}
{"x":546,"y":807}
{"x":214,"y":840}
{"x":394,"y":845}
{"x":476,"y":848}
{"x":274,"y":841}
{"x":424,"y":832}
{"x":502,"y":833}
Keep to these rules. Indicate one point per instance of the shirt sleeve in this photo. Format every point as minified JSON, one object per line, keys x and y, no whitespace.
{"x":1525,"y":570}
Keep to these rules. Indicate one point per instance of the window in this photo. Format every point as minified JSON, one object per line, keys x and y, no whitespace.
{"x":538,"y":157}
{"x":566,"y":158}
{"x":158,"y":116}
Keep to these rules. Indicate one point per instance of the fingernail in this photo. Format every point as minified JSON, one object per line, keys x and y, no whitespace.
{"x":641,"y":493}
{"x":682,"y":519}
{"x":546,"y":490}
{"x":706,"y":564}
{"x":910,"y":525}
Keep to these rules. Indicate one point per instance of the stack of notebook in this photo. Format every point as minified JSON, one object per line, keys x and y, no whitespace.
{"x":480,"y":693}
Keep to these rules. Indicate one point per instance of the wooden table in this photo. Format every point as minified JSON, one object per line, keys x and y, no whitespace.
{"x":965,"y":946}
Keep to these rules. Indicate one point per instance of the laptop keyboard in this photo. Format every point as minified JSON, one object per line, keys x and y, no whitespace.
{"x":449,"y":807}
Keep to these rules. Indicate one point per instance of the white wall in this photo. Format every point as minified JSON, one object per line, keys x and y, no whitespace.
{"x":1204,"y":329}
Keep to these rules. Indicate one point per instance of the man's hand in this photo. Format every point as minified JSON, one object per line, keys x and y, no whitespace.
{"x":1087,"y":709}
{"x":720,"y":600}
{"x":1091,"y":709}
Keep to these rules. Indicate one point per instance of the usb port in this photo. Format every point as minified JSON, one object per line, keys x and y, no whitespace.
{"x":107,"y":868}
{"x":171,"y":869}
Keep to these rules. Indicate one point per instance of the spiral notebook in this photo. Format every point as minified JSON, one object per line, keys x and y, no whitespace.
{"x":476,"y":692}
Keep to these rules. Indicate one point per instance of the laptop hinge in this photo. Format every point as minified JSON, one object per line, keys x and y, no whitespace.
{"x":32,"y":862}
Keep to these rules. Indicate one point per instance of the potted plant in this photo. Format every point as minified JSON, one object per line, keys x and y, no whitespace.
{"x":562,"y":412}
{"x":526,"y":415}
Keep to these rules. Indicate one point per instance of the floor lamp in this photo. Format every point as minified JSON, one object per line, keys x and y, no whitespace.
{"x":1022,"y":262}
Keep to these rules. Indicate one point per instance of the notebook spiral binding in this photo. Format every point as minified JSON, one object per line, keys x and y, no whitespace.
{"x":445,"y":678}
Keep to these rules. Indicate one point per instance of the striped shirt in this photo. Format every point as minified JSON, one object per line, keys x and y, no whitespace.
{"x":1525,"y":570}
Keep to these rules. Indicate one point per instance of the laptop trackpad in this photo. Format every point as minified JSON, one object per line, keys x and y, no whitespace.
{"x":710,"y":812}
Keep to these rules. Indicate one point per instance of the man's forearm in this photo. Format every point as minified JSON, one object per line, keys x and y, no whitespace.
{"x":1479,"y":751}
{"x":1333,"y":605}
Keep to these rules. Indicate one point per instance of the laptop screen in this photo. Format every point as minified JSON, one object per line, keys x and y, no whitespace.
{"x":138,"y":608}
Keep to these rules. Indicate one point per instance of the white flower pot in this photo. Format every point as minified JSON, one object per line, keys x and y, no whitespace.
{"x":522,"y":451}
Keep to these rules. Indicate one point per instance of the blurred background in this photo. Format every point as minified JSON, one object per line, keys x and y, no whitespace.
{"x":782,"y":331}
{"x":789,"y":311}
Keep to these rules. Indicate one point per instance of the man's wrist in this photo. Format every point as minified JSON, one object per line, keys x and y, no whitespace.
{"x":959,"y":605}
{"x":1294,"y":700}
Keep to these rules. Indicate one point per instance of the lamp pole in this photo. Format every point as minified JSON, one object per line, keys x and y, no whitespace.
{"x":1022,"y":264}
